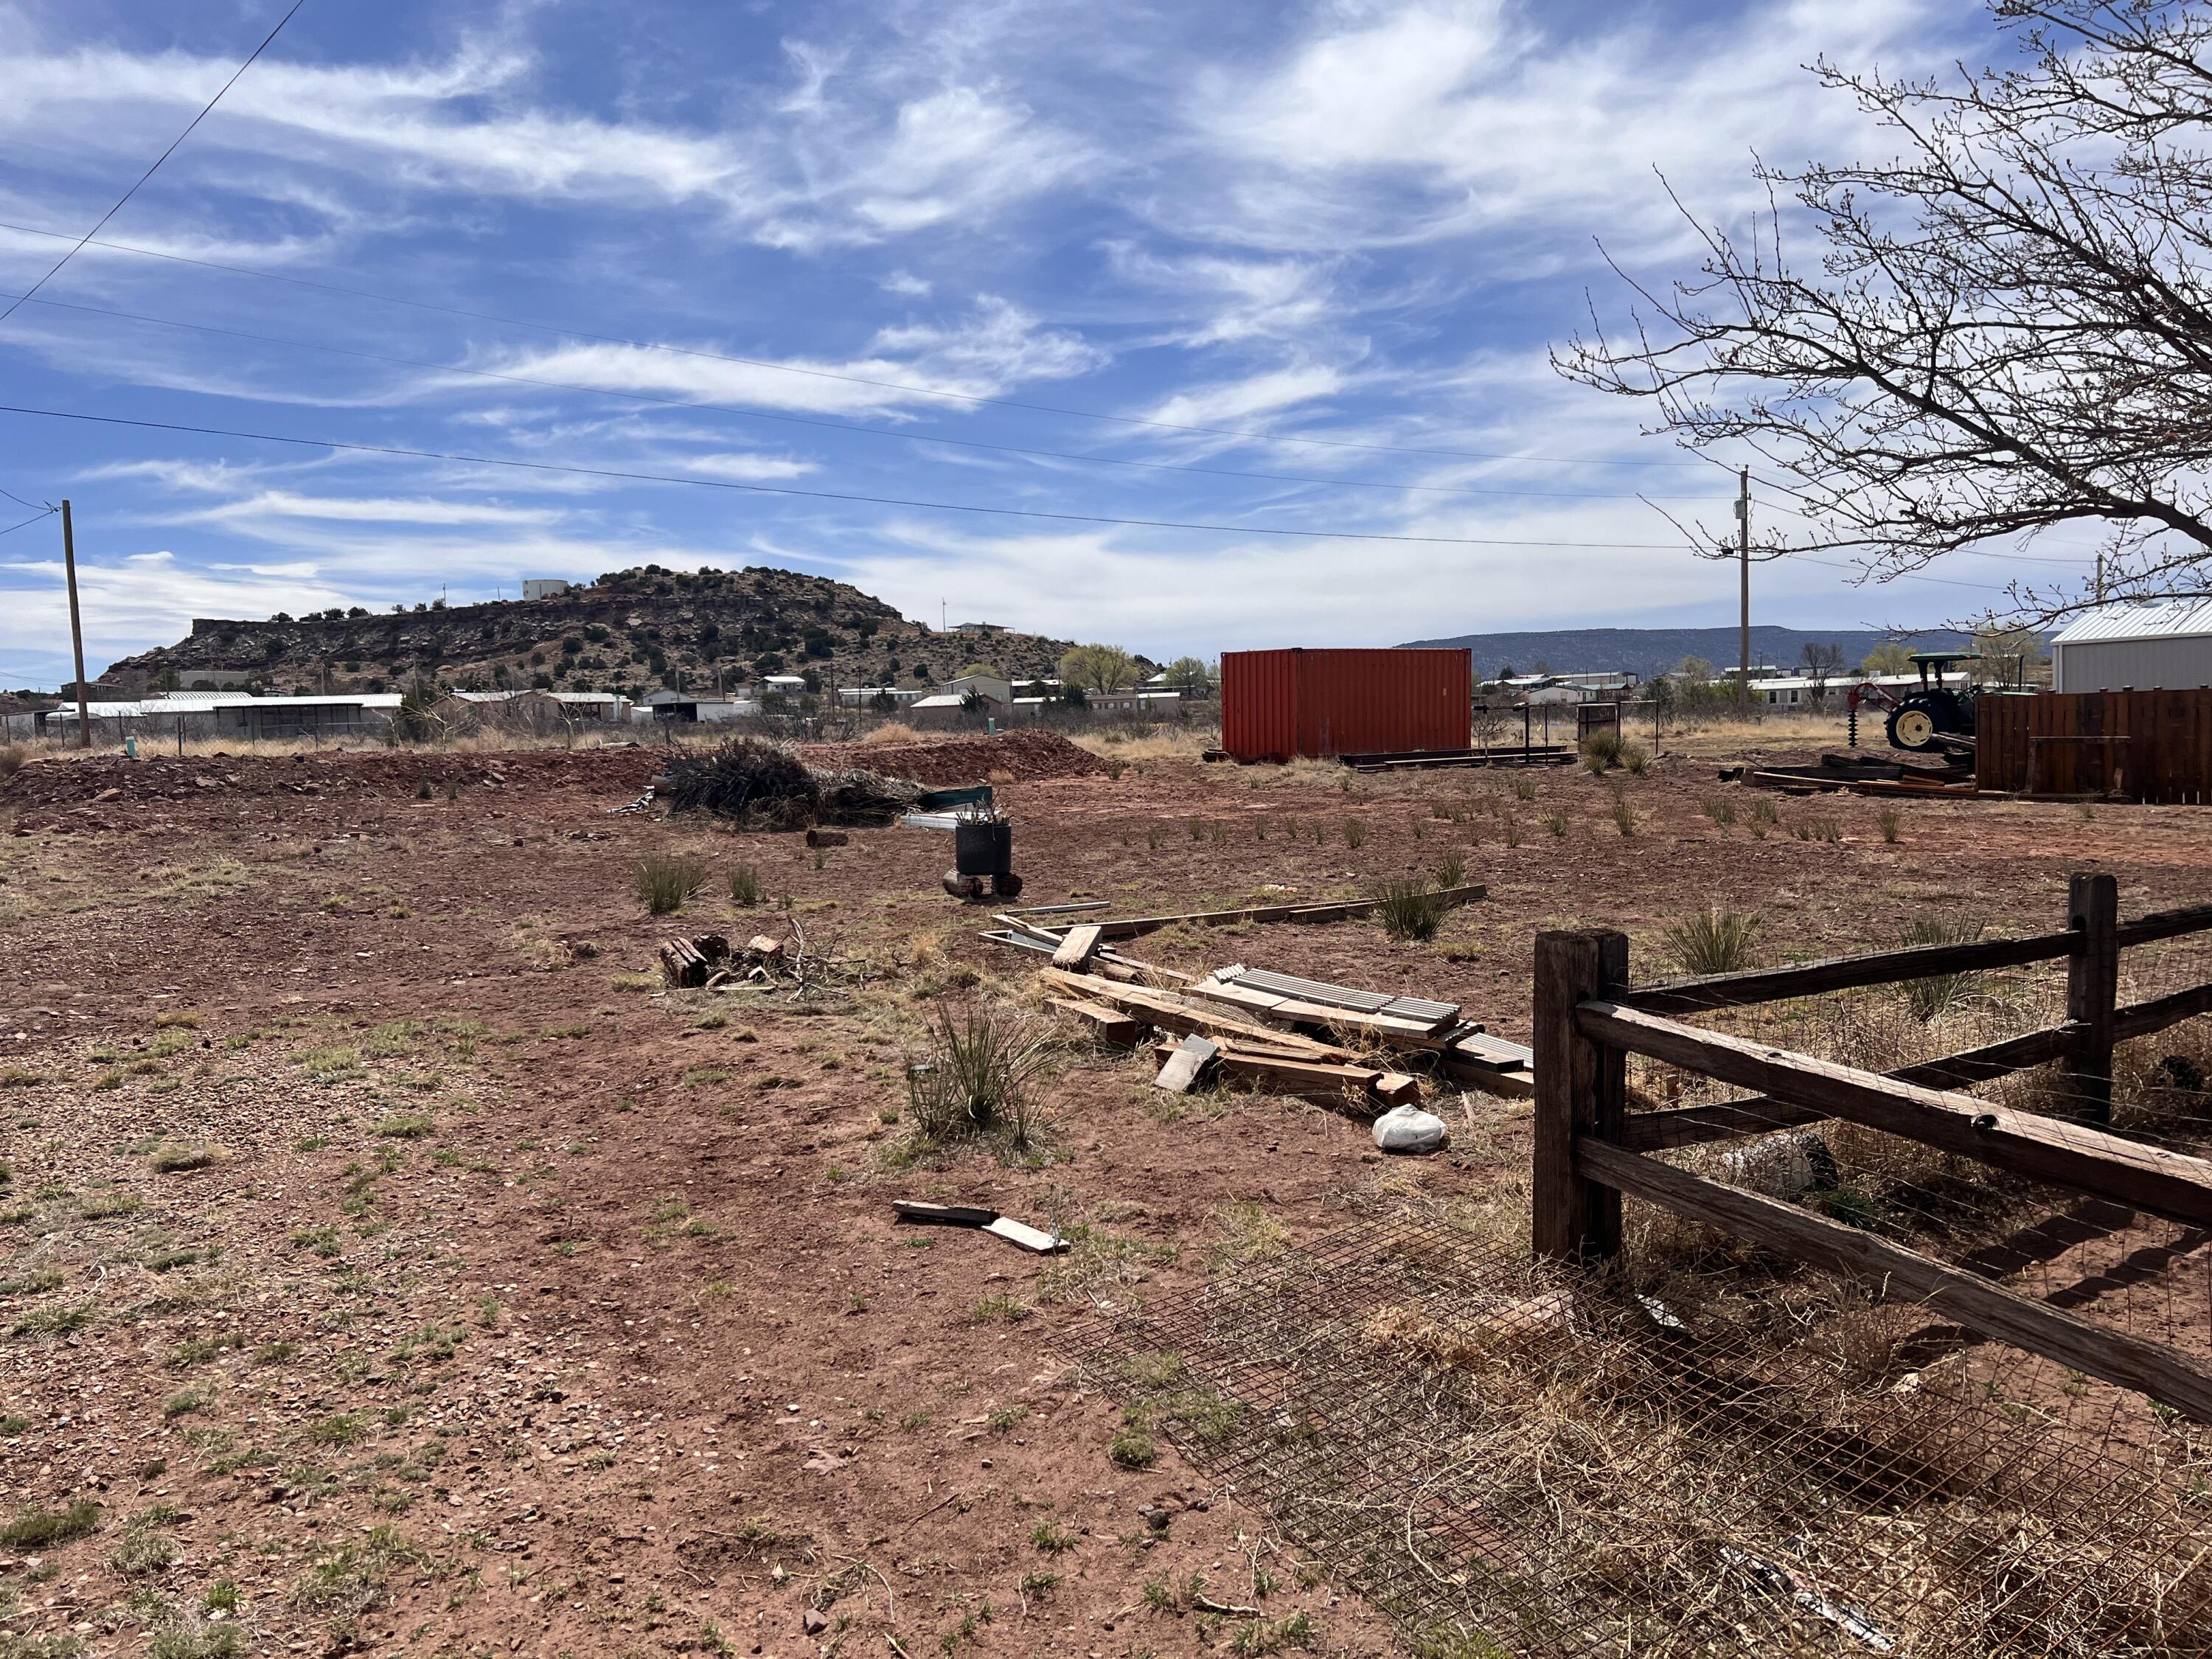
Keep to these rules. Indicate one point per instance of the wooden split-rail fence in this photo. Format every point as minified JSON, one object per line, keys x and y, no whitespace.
{"x":1591,"y":1149}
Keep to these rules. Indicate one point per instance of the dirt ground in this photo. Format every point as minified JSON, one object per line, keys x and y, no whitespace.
{"x":388,"y":1263}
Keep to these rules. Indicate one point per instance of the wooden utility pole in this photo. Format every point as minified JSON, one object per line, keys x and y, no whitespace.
{"x":77,"y":629}
{"x":1743,"y":574}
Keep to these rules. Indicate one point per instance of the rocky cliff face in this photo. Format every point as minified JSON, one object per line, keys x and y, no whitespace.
{"x":634,"y":630}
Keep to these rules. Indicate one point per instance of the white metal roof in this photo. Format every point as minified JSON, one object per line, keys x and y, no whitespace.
{"x":942,"y":699}
{"x":2154,"y":619}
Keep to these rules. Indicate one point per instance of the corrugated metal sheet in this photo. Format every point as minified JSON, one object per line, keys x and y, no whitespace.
{"x":2179,"y":661}
{"x":2160,"y":619}
{"x":1278,"y":704}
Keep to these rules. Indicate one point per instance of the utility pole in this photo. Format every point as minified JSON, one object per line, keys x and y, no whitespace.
{"x":77,"y":629}
{"x":1743,"y":570}
{"x":2100,"y":577}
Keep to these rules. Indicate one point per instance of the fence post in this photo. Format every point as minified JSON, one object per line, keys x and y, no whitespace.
{"x":2093,"y":990}
{"x":1581,"y":1090}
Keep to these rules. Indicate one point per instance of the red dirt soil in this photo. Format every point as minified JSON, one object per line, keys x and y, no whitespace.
{"x":590,"y":1294}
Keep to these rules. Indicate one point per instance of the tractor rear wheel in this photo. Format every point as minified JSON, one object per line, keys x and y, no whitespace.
{"x":1911,"y":726}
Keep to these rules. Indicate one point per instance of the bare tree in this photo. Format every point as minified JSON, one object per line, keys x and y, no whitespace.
{"x":2009,"y":325}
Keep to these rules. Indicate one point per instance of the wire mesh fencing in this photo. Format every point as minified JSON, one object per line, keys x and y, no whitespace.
{"x":1515,"y":1457}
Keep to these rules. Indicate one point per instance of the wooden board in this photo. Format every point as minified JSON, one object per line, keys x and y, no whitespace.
{"x":1108,"y":1025}
{"x":1330,"y":1085}
{"x":943,"y":1215}
{"x":1335,"y":910}
{"x":1076,"y":948}
{"x":1027,"y":1237}
{"x":2099,"y":1350}
{"x":1806,"y":979}
{"x":2169,"y":1184}
{"x":1183,"y":1066}
{"x":1383,"y":1027}
{"x":1758,"y":1115}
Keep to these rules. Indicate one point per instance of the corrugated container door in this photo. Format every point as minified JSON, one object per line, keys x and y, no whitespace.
{"x":1259,"y":705}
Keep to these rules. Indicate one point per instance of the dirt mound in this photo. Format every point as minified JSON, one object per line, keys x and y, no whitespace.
{"x":390,"y":774}
{"x":1026,"y":755}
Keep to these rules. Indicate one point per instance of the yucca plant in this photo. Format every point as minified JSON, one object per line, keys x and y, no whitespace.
{"x":745,"y":888}
{"x":1721,"y":811}
{"x":662,"y":881}
{"x":1715,"y":940}
{"x":1451,"y":871}
{"x":979,"y":1076}
{"x":1408,"y":909}
{"x":1623,"y":815}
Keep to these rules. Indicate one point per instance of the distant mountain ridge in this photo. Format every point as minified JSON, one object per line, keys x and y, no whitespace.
{"x":1650,"y":651}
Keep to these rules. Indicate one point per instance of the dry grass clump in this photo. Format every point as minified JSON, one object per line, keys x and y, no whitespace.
{"x":1408,"y":909}
{"x":1601,"y":751}
{"x":892,"y":731}
{"x":1932,"y":997}
{"x":1160,"y":743}
{"x":663,"y":881}
{"x":978,"y":1076}
{"x":14,"y":757}
{"x":1716,"y":940}
{"x":746,"y":887}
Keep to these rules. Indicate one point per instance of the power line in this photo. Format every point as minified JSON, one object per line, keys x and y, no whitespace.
{"x":835,"y":426}
{"x":158,"y":160}
{"x":47,"y":513}
{"x":850,"y":379}
{"x":821,"y":495}
{"x":45,"y":507}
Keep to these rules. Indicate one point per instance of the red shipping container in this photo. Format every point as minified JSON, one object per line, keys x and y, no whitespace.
{"x":1277,"y":704}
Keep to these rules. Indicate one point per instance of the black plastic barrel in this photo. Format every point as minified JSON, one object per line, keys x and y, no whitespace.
{"x":982,"y":849}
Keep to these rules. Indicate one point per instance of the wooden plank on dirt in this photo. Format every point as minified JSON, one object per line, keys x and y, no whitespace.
{"x":1075,"y":949}
{"x":1191,"y":1057}
{"x":1805,"y":979}
{"x":942,"y":1215}
{"x":1108,"y":1025}
{"x":1758,"y":1115}
{"x":2169,"y":1184}
{"x":1131,"y":927}
{"x":1027,"y":1237}
{"x":1488,"y":1078}
{"x":2099,"y":1350}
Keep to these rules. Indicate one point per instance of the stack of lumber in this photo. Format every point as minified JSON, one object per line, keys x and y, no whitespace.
{"x":1289,"y":1061}
{"x":1285,"y":1062}
{"x":1861,"y":774}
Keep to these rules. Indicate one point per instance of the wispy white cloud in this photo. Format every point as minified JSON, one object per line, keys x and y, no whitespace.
{"x":271,"y":505}
{"x":996,"y":346}
{"x":1264,"y":393}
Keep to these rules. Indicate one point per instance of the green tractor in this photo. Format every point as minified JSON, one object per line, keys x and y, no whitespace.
{"x":1932,"y":716}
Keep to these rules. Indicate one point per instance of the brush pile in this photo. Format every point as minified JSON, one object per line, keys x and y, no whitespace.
{"x":765,"y":785}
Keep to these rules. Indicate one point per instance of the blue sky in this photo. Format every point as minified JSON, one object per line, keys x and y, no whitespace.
{"x":1342,"y":233}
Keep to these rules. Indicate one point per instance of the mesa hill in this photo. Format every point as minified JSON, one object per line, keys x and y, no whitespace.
{"x":633,"y":631}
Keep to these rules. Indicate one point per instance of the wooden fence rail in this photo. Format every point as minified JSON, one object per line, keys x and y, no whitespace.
{"x":1589,"y":1149}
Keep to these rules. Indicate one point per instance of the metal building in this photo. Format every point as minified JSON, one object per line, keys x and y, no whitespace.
{"x":2162,"y":645}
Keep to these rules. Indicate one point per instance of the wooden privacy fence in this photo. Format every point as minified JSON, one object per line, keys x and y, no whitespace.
{"x":2151,"y":745}
{"x":1589,"y":1149}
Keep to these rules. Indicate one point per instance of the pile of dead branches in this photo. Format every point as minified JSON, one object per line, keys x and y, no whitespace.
{"x":765,"y":785}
